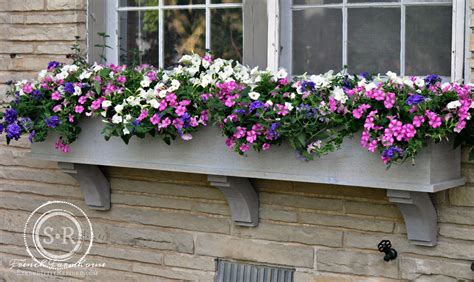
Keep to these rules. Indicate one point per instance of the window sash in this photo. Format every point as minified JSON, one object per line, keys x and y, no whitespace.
{"x":282,"y":10}
{"x":112,"y":23}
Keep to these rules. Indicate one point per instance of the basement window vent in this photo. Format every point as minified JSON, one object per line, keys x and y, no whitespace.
{"x":228,"y":271}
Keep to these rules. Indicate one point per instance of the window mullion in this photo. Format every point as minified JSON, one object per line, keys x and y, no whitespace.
{"x":402,"y":38}
{"x":344,"y":33}
{"x":161,"y":36}
{"x":208,"y":25}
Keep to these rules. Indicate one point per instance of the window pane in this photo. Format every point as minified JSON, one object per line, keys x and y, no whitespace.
{"x":183,"y":2}
{"x":138,"y":3}
{"x":185,"y":32}
{"x":428,"y":40}
{"x":371,"y":1}
{"x":315,"y":2}
{"x":225,"y":1}
{"x":373,"y":40}
{"x":227,"y":33}
{"x":139,"y":37}
{"x":317,"y":40}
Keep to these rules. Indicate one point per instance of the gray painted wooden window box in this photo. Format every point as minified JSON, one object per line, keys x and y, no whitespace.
{"x":437,"y":168}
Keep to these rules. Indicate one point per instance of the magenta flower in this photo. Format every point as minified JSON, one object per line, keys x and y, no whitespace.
{"x":418,"y":121}
{"x":163,"y":105}
{"x":239,"y":132}
{"x":230,"y":142}
{"x":265,"y":146}
{"x":27,"y":88}
{"x":244,"y":147}
{"x":82,"y":100}
{"x":180,"y":110}
{"x":142,"y":115}
{"x":55,"y":96}
{"x":165,"y":123}
{"x":433,"y":119}
{"x":251,"y":136}
{"x":282,"y":110}
{"x":57,"y":108}
{"x":97,"y":103}
{"x":71,"y":118}
{"x":121,"y":79}
{"x":389,"y":100}
{"x":155,"y":119}
{"x":79,"y":109}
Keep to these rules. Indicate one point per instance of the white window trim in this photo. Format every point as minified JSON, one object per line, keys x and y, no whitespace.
{"x":112,"y":24}
{"x":280,"y":12}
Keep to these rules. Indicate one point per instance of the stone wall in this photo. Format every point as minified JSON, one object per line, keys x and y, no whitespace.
{"x":172,"y":226}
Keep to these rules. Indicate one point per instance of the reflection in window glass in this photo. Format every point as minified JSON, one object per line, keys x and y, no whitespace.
{"x":185,"y":32}
{"x":315,"y":2}
{"x":138,"y":3}
{"x":226,"y":1}
{"x":428,"y":40}
{"x":317,"y":40}
{"x":373,"y":40}
{"x":227,"y":33}
{"x":138,"y":37}
{"x":183,"y":2}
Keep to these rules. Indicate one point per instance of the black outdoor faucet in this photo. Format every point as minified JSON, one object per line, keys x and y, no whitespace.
{"x":385,"y":246}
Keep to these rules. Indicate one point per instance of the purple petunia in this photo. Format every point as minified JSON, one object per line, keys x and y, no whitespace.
{"x":432,"y":79}
{"x":52,"y":65}
{"x":390,"y":152}
{"x":256,"y":105}
{"x":36,"y":94}
{"x":1,"y":128}
{"x":307,"y":85}
{"x":10,"y":115}
{"x":52,"y":121}
{"x":69,"y":88}
{"x":13,"y":131}
{"x":26,"y":123}
{"x":239,"y":111}
{"x":415,"y":100}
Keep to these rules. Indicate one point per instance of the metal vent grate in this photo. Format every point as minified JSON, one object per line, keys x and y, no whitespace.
{"x":228,"y":271}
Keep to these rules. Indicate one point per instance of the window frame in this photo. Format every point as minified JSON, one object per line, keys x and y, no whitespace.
{"x":280,"y":13}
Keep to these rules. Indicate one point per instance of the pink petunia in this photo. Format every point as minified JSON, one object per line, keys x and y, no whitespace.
{"x":55,"y":96}
{"x":79,"y":109}
{"x":155,"y":119}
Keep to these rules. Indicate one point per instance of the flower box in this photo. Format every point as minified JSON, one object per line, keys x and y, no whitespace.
{"x":437,"y":167}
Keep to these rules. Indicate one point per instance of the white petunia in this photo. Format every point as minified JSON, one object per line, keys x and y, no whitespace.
{"x":453,"y":105}
{"x":174,"y":85}
{"x":370,"y":86}
{"x":126,"y":131}
{"x":97,"y":67}
{"x":106,"y":104}
{"x":77,"y":90}
{"x":118,"y":109}
{"x":145,"y":82}
{"x":61,"y":75}
{"x":339,"y":95}
{"x":281,"y":73}
{"x":42,"y":74}
{"x":85,"y":75}
{"x":289,"y":106}
{"x":117,"y":119}
{"x":419,"y":82}
{"x":268,"y":102}
{"x":292,"y":96}
{"x":254,"y":95}
{"x":154,"y":103}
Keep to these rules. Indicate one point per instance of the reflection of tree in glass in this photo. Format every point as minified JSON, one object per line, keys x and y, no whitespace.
{"x":185,"y":32}
{"x":226,"y":33}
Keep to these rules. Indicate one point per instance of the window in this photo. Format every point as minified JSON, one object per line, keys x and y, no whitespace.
{"x":159,"y":32}
{"x":410,"y":37}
